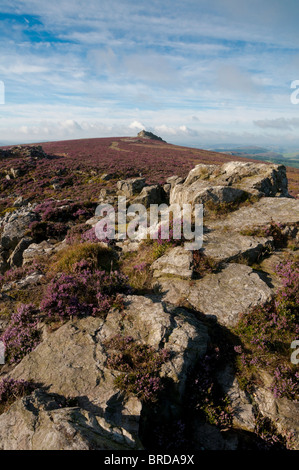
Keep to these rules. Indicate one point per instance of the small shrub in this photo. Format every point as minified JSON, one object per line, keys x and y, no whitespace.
{"x":140,"y":365}
{"x":267,"y":332}
{"x":22,"y":334}
{"x":84,"y":292}
{"x":11,"y":390}
{"x":203,"y":264}
{"x":205,"y":396}
{"x":97,"y":256}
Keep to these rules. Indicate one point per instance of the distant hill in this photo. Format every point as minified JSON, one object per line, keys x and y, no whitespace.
{"x":260,"y":153}
{"x":152,"y":158}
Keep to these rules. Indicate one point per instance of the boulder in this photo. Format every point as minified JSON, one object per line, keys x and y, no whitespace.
{"x":225,"y":246}
{"x":260,"y":214}
{"x":154,"y":194}
{"x":45,"y":248}
{"x":131,"y":187}
{"x":200,"y":192}
{"x":72,"y":362}
{"x":256,"y":178}
{"x":16,"y":257}
{"x":281,"y":411}
{"x":43,"y":421}
{"x":222,"y":296}
{"x":15,"y":226}
{"x":231,"y":182}
{"x":177,"y":261}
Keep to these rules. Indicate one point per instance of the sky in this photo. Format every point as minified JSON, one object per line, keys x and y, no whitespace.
{"x":196,"y":72}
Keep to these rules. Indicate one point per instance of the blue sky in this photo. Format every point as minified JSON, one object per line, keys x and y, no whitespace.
{"x":194,"y":72}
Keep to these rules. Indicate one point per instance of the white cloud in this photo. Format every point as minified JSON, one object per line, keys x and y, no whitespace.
{"x":136,"y":125}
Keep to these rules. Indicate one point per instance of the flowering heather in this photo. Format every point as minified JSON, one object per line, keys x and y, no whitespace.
{"x":59,"y":211}
{"x":140,"y":365}
{"x":22,"y":334}
{"x":205,"y":395}
{"x":267,"y":332}
{"x":84,"y":292}
{"x":15,"y":274}
{"x":11,"y":389}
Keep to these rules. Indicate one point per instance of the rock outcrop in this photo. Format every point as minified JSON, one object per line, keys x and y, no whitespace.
{"x":187,"y":307}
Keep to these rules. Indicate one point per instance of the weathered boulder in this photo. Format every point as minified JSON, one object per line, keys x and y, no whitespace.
{"x":281,"y":411}
{"x":202,"y":191}
{"x":223,"y":296}
{"x":131,"y":186}
{"x":242,"y":407}
{"x":16,"y":257}
{"x":15,"y":226}
{"x":154,"y":194}
{"x":44,"y":248}
{"x":231,"y":182}
{"x":72,"y":361}
{"x":256,"y":178}
{"x":260,"y":214}
{"x":43,"y":421}
{"x":177,"y":261}
{"x":225,"y":246}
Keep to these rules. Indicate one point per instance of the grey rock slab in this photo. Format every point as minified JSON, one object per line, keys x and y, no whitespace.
{"x":227,"y":294}
{"x":72,"y":361}
{"x":260,"y":214}
{"x":283,"y":413}
{"x":226,"y":246}
{"x":223,"y":296}
{"x":177,"y":261}
{"x":43,"y":421}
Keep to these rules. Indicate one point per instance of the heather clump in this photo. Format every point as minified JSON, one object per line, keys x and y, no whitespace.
{"x":59,"y":211}
{"x":15,"y":274}
{"x":267,"y":332}
{"x":99,"y":257}
{"x":83,"y":292}
{"x":205,"y":396}
{"x":40,"y":231}
{"x":139,"y":365}
{"x":274,"y":230}
{"x":203,"y":264}
{"x":22,"y":334}
{"x":11,"y":390}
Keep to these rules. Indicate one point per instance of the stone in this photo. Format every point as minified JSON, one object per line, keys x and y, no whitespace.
{"x":223,"y":296}
{"x":256,"y":178}
{"x":224,"y":246}
{"x":260,"y":214}
{"x":242,"y":408}
{"x":43,"y":421}
{"x":16,"y":257}
{"x":131,"y":186}
{"x":227,"y":294}
{"x":177,"y":261}
{"x":281,"y":411}
{"x":15,"y":226}
{"x":200,"y":192}
{"x":71,"y":361}
{"x":45,"y":248}
{"x":154,"y":194}
{"x":231,"y":182}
